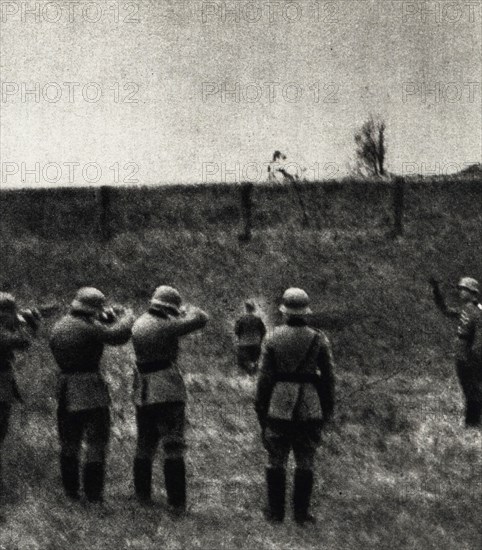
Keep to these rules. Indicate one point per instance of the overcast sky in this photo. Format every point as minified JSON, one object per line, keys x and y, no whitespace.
{"x":152,"y":77}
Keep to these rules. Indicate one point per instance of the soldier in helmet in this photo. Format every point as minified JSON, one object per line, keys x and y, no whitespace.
{"x":160,"y":393}
{"x":295,"y":396}
{"x":16,"y":331}
{"x":468,"y":349}
{"x":77,"y":343}
{"x":250,"y":331}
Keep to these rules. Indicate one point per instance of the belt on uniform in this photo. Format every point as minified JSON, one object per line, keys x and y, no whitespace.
{"x":154,"y":366}
{"x":297,"y":377}
{"x":82,"y":390}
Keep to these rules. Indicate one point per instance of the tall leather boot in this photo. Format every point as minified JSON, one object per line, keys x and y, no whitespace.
{"x":94,"y":475}
{"x":276,"y":487}
{"x":69,"y":470}
{"x":175,"y":481}
{"x":473,"y":413}
{"x":143,"y":479}
{"x":302,"y":496}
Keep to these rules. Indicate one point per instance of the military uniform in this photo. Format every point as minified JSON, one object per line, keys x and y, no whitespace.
{"x":295,"y":395}
{"x":160,"y":393}
{"x":77,"y":343}
{"x":250,"y":331}
{"x":468,"y":350}
{"x":16,"y":331}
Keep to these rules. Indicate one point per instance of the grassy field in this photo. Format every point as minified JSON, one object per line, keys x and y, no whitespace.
{"x":397,"y":470}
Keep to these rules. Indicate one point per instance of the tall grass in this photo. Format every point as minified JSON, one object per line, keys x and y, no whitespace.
{"x":397,"y":470}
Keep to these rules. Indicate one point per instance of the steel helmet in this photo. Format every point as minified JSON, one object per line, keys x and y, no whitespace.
{"x":295,"y":301}
{"x":167,"y":297}
{"x":470,"y":284}
{"x":7,"y":303}
{"x":88,"y":300}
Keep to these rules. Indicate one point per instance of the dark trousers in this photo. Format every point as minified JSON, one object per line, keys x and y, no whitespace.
{"x":5,"y":412}
{"x":91,"y":424}
{"x":283,"y":436}
{"x":470,"y":378}
{"x":160,"y":422}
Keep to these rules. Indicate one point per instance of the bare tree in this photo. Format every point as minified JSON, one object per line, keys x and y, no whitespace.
{"x":371,"y":148}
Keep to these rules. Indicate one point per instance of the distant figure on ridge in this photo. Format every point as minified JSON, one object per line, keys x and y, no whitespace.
{"x":250,"y":331}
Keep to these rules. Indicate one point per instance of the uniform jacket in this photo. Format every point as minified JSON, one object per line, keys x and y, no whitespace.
{"x":155,"y":337}
{"x":296,"y":379}
{"x":77,"y":342}
{"x":11,"y":340}
{"x":250,"y":330}
{"x":469,"y":316}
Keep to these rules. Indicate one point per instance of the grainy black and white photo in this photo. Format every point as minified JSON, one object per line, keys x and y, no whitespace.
{"x":240,"y":274}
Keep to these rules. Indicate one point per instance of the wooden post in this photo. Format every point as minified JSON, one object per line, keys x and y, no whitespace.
{"x":246,"y":210}
{"x":398,"y":206}
{"x":105,"y":197}
{"x":299,"y":194}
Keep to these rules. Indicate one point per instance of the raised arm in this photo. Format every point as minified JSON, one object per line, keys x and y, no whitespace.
{"x":439,"y":299}
{"x":262,"y":329}
{"x":194,"y":319}
{"x":13,"y":339}
{"x":118,"y":332}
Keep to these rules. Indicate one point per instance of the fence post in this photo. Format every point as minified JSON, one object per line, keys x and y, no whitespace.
{"x":398,"y":206}
{"x":246,"y":210}
{"x":299,"y":194}
{"x":105,"y":201}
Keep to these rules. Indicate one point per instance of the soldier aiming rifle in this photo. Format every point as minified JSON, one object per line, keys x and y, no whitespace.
{"x":77,"y":343}
{"x":160,"y":393}
{"x":17,"y":328}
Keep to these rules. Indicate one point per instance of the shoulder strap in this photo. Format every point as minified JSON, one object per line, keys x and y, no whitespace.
{"x":308,"y":353}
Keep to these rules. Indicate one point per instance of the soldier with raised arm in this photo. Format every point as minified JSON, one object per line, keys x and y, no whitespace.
{"x":16,"y":331}
{"x":468,"y":358}
{"x":160,"y":393}
{"x":295,"y":397}
{"x":77,"y":343}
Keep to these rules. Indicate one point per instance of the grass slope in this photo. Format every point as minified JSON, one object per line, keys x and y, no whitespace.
{"x":397,"y":471}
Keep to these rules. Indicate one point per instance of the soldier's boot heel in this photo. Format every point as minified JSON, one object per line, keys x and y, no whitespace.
{"x":302,"y":496}
{"x":473,"y":413}
{"x":175,"y":483}
{"x":94,"y":475}
{"x":69,"y":469}
{"x":276,"y":488}
{"x":143,"y":480}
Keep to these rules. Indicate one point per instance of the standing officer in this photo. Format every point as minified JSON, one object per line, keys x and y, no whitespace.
{"x":468,"y":358}
{"x":250,"y":331}
{"x":295,"y":396}
{"x":160,"y":393}
{"x":77,"y":343}
{"x":16,"y":331}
